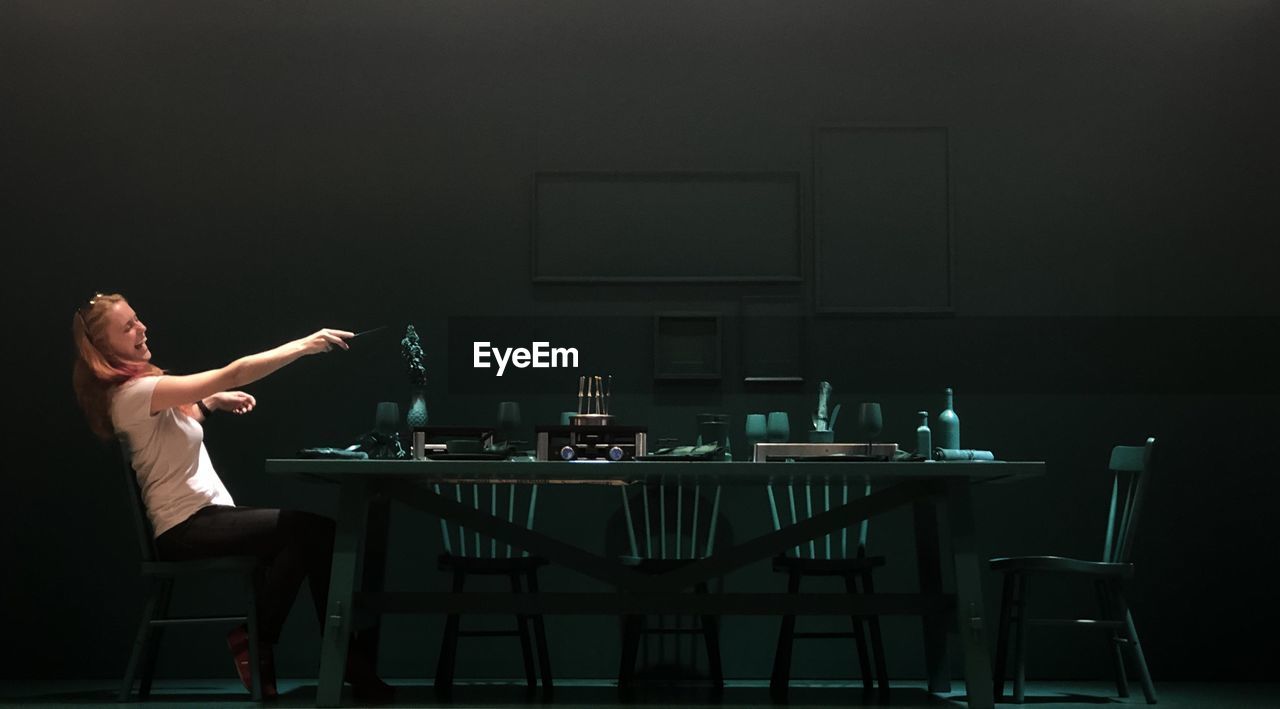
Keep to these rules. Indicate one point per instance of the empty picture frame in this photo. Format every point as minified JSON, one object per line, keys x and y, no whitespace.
{"x":686,"y":345}
{"x":882,"y":220}
{"x":666,"y":227}
{"x":772,"y":338}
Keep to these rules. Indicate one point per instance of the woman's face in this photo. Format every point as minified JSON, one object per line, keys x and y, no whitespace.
{"x":126,"y":336}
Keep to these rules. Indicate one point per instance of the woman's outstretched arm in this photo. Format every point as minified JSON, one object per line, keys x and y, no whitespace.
{"x":174,"y":391}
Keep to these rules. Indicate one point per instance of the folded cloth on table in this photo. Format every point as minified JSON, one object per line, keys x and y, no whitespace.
{"x":962,"y":454}
{"x":338,"y":453}
{"x":707,"y":451}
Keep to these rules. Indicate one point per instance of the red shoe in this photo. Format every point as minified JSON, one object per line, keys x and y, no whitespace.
{"x":366,"y":686}
{"x":238,"y":643}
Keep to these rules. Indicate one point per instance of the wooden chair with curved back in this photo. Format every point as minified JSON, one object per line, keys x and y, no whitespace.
{"x":161,"y":578}
{"x":1131,"y":467}
{"x":668,"y":526}
{"x":831,"y":556}
{"x":468,"y":553}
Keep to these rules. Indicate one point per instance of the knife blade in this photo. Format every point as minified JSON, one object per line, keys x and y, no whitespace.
{"x":369,"y":331}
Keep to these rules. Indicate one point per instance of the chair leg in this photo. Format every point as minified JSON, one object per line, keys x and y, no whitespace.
{"x":526,"y":643}
{"x":154,"y":636}
{"x":1002,"y":636}
{"x":877,"y":640}
{"x":254,"y":583}
{"x":711,"y":634}
{"x":449,"y":643}
{"x":140,"y":641}
{"x":540,"y":637}
{"x":1148,"y":688}
{"x":1020,"y":649}
{"x":781,"y":679}
{"x":1115,"y":640}
{"x":630,"y":648}
{"x":859,"y":638}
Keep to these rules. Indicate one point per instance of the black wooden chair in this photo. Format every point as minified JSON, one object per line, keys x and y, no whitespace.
{"x":1131,"y":466}
{"x":831,"y":556}
{"x":471,"y":554}
{"x":161,"y":577}
{"x":677,"y":525}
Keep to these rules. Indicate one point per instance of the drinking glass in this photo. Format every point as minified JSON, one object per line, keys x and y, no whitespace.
{"x":870,"y":420}
{"x":778,"y":427}
{"x":756,"y":430}
{"x":508,"y":417}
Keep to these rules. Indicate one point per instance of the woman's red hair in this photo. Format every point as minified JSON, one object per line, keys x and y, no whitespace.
{"x":95,"y":372}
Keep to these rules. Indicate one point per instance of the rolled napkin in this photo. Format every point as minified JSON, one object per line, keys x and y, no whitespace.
{"x":708,"y":451}
{"x":961,"y":454}
{"x":338,"y":453}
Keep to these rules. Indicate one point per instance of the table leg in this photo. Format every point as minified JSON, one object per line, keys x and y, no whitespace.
{"x":352,"y":516}
{"x":969,"y":602}
{"x":373,"y":579}
{"x":929,"y":568}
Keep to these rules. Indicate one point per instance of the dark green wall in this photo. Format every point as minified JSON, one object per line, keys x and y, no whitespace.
{"x":248,"y":171}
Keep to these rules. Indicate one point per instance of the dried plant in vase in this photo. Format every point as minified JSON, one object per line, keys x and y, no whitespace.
{"x":411,"y":350}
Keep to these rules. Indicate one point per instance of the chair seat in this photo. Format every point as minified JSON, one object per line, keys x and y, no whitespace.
{"x":500,"y":566}
{"x":1060,"y":565}
{"x":217,"y":564}
{"x":826,"y":567}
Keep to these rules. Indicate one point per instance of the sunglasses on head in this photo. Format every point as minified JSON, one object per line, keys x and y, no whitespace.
{"x":86,"y":306}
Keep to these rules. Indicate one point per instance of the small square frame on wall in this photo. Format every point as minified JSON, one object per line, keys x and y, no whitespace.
{"x":687,"y":346}
{"x":772,"y":331}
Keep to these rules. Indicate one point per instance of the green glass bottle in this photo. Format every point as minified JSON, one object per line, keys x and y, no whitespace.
{"x":949,"y":425}
{"x":924,"y":437}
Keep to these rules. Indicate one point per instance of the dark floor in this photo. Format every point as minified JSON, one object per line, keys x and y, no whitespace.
{"x":598,"y":693}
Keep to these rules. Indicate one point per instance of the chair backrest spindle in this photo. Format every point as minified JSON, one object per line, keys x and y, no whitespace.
{"x":844,"y":532}
{"x":1132,"y":467}
{"x":511,"y":509}
{"x":693,"y":531}
{"x":713,"y":523}
{"x":533,"y":507}
{"x":631,"y":529}
{"x":462,"y":531}
{"x":444,"y":527}
{"x":826,"y":507}
{"x":493,"y":510}
{"x":791,"y":498}
{"x":648,"y":528}
{"x":679,"y":516}
{"x":808,"y":510}
{"x":475,"y":504}
{"x":865,"y":525}
{"x":662,"y":521}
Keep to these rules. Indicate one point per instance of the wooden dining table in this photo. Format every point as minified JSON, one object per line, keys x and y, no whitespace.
{"x":926,"y":488}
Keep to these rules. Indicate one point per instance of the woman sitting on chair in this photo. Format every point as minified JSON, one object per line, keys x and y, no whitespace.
{"x":157,"y":418}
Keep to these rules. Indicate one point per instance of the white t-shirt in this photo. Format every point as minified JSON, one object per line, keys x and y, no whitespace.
{"x":174,"y":471}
